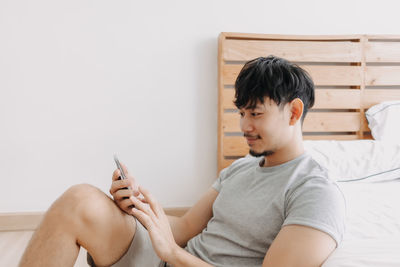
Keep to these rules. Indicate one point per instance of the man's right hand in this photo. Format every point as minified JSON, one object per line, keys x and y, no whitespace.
{"x":120,"y":192}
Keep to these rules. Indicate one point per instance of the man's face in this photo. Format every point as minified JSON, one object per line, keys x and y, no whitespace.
{"x":266,"y":127}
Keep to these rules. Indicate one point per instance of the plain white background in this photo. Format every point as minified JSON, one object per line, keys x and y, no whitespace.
{"x":82,"y":80}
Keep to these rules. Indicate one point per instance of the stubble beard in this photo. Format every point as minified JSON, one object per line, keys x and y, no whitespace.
{"x":265,"y":153}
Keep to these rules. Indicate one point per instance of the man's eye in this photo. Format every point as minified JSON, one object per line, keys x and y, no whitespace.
{"x":255,"y":114}
{"x":241,"y":114}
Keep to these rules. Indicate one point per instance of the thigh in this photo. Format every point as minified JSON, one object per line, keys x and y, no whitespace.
{"x":102,"y":229}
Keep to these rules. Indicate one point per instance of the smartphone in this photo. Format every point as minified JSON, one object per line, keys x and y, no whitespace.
{"x":123,"y":176}
{"x":119,"y":167}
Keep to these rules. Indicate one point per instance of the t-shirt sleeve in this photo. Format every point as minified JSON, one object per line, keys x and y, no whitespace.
{"x":230,"y":170}
{"x":217,"y":185}
{"x":317,"y":203}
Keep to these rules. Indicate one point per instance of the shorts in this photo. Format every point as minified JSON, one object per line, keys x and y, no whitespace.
{"x":140,"y":252}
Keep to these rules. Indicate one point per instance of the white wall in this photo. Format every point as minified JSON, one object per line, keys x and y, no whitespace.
{"x":81,"y":80}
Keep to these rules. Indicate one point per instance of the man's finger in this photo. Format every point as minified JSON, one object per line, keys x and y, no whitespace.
{"x":116,"y":175}
{"x":126,"y":205}
{"x":122,"y":193}
{"x":117,"y":185}
{"x":151,"y":200}
{"x":143,"y":218}
{"x":143,"y":207}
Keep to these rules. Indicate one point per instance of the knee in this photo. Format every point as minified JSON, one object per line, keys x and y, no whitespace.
{"x":83,"y":201}
{"x":82,"y":192}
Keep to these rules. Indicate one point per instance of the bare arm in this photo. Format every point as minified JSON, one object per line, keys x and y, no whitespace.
{"x":299,"y":246}
{"x":168,"y":233}
{"x":194,"y":220}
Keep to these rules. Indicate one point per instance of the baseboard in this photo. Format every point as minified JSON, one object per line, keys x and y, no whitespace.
{"x":29,"y":221}
{"x":20,"y":221}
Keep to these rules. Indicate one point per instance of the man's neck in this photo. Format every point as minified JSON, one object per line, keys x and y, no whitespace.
{"x":284,"y":155}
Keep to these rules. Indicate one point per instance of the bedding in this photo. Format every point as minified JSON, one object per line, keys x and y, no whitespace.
{"x":368,"y":173}
{"x":357,"y":160}
{"x":372,"y":236}
{"x":383,"y":121}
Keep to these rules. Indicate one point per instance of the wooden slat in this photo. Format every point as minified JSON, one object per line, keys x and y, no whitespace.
{"x":324,"y":99}
{"x":262,"y":36}
{"x":383,"y":52}
{"x":332,"y":122}
{"x":328,"y":99}
{"x":321,"y":75}
{"x":375,"y":96}
{"x":368,"y":135}
{"x":225,"y":163}
{"x":230,"y":73}
{"x":230,"y":122}
{"x":335,"y":75}
{"x":221,"y":41}
{"x":331,"y":137}
{"x":314,"y":122}
{"x":301,"y":51}
{"x":228,"y":96}
{"x":364,"y":41}
{"x":372,"y":37}
{"x":364,"y":123}
{"x":382,"y":75}
{"x":235,"y":146}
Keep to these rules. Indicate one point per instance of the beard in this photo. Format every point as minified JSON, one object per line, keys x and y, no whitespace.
{"x":265,"y":153}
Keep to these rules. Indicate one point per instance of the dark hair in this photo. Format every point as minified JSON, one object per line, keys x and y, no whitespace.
{"x":276,"y":78}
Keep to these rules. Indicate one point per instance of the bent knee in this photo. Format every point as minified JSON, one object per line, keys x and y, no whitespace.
{"x":85,"y":201}
{"x":82,"y":191}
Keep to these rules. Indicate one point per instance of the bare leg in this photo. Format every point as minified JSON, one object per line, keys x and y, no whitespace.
{"x":82,"y":216}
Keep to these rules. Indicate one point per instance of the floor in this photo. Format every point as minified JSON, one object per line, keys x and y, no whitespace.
{"x":13,"y":243}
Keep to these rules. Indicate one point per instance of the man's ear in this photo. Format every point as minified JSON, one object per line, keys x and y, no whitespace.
{"x":296,"y":110}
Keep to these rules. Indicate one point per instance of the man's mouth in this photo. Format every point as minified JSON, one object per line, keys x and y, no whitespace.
{"x":251,"y":139}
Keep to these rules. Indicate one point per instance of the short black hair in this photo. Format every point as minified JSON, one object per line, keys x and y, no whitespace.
{"x":276,"y":78}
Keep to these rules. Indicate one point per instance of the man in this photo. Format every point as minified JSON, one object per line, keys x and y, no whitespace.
{"x":277,"y":210}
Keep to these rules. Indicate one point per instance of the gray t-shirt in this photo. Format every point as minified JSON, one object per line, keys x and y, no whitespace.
{"x":255,"y":202}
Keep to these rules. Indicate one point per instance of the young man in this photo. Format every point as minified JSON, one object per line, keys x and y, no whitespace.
{"x":275,"y":209}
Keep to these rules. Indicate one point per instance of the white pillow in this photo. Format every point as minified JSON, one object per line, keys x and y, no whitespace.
{"x":357,"y":160}
{"x":383,"y":120}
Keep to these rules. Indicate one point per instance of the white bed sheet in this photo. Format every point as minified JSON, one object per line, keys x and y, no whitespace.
{"x":367,"y":252}
{"x":357,"y":160}
{"x":372,"y":236}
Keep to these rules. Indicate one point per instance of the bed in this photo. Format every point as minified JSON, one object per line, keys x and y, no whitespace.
{"x":352,"y":129}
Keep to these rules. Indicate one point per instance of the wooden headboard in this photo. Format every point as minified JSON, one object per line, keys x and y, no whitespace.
{"x":351,"y":73}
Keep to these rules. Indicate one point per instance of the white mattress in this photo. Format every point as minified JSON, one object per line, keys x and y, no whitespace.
{"x":374,"y":252}
{"x":372,"y":236}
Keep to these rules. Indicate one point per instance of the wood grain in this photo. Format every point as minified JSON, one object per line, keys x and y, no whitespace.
{"x":348,"y":69}
{"x":303,"y":51}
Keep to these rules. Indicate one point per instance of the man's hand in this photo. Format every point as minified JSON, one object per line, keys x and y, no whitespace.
{"x":150,"y":213}
{"x":120,"y":192}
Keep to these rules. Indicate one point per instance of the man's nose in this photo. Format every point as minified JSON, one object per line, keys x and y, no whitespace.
{"x":246,"y":125}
